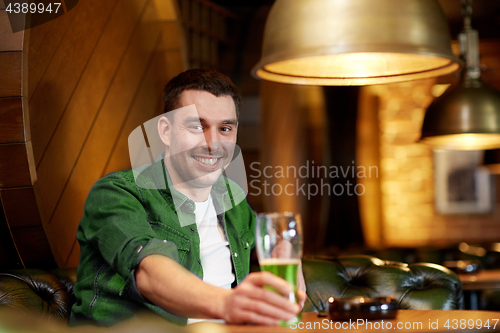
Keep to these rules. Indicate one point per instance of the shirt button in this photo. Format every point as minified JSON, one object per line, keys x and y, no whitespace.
{"x":192,"y":229}
{"x":199,"y":262}
{"x":236,"y":255}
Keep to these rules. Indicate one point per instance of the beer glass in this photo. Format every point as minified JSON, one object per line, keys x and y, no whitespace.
{"x":279,"y":249}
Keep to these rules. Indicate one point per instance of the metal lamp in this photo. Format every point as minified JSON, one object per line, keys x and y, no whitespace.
{"x":355,"y":42}
{"x":466,"y":117}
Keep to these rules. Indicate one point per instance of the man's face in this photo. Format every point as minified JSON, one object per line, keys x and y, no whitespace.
{"x":202,"y":139}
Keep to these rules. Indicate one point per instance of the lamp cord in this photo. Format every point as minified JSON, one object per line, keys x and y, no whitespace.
{"x":467,"y":13}
{"x":469,"y":43}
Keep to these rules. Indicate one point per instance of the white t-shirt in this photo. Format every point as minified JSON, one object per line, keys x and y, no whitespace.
{"x":214,"y":248}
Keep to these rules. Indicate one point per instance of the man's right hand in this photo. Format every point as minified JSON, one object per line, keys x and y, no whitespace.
{"x":249,"y":302}
{"x":166,"y":283}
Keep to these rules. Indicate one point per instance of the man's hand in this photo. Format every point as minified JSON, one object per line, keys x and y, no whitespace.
{"x":249,"y":302}
{"x":166,"y":283}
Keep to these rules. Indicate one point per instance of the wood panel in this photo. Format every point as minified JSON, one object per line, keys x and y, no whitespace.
{"x":173,"y":52}
{"x":64,"y":71}
{"x":106,"y":75}
{"x":147,"y":106}
{"x":44,"y":41}
{"x":117,"y":160}
{"x":143,"y":108}
{"x":173,"y":49}
{"x":9,"y":41}
{"x":14,"y":166}
{"x":10,"y":67}
{"x":11,"y":120}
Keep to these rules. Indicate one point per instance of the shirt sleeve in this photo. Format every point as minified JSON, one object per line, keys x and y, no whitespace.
{"x":116,"y":225}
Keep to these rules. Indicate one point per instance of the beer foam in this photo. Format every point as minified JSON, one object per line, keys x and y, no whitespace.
{"x":279,"y":261}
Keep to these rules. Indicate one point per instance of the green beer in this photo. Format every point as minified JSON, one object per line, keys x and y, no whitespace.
{"x":286,"y":269}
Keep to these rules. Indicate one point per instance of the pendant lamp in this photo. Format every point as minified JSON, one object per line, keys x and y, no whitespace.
{"x":466,"y":117}
{"x":355,"y":42}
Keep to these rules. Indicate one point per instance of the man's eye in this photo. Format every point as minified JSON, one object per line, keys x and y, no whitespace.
{"x":226,"y":129}
{"x":196,"y":127}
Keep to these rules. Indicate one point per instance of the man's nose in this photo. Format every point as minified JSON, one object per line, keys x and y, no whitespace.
{"x":212,"y":137}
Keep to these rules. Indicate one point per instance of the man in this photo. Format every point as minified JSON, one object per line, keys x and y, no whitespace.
{"x":177,"y":251}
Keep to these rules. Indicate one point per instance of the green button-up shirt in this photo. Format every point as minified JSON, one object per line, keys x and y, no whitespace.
{"x":127,"y":218}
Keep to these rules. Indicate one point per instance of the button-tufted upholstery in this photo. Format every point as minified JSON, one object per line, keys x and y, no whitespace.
{"x":34,"y":290}
{"x":417,"y":286}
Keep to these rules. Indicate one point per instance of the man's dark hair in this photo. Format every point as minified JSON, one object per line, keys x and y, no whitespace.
{"x":202,"y":79}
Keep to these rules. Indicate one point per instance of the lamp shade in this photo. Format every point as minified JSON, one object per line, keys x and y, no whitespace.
{"x":355,"y":42}
{"x":464,"y":118}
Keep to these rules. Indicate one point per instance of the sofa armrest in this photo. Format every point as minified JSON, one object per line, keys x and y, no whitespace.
{"x":34,"y":290}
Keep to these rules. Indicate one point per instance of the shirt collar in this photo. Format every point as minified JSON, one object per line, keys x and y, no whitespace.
{"x":219,"y":188}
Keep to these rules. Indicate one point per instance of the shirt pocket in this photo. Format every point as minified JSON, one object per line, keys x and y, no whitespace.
{"x":168,"y":234}
{"x":247,"y":239}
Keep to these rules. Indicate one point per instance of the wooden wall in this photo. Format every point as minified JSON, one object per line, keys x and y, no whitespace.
{"x":91,"y":77}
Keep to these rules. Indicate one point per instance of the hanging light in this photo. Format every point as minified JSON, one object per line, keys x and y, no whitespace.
{"x":466,"y":117}
{"x":355,"y":42}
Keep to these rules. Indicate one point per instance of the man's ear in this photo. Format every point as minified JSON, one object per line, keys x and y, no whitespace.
{"x":164,"y":129}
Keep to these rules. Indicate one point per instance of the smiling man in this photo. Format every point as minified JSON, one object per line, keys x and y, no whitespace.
{"x":200,"y":141}
{"x":182,"y":250}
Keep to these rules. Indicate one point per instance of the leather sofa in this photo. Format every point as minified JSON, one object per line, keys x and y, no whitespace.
{"x":415,"y":286}
{"x":419,"y":286}
{"x":49,"y":293}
